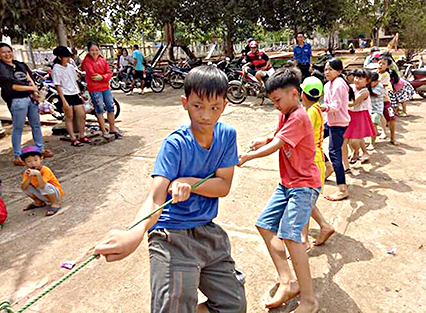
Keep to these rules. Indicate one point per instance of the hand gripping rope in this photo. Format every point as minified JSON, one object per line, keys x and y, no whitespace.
{"x":5,"y":306}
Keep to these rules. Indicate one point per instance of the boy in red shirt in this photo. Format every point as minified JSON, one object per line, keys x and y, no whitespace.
{"x":289,"y":208}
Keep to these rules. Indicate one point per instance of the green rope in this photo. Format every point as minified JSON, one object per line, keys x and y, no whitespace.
{"x":5,"y":305}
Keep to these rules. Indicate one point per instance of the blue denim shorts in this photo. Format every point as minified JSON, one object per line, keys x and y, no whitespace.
{"x":102,"y":99}
{"x":288,"y":211}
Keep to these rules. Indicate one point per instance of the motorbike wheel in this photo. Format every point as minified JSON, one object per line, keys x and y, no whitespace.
{"x":58,"y":112}
{"x":126,"y":86}
{"x":176,"y":80}
{"x":114,"y":83}
{"x":237,"y":93}
{"x":117,"y":108}
{"x":157,"y":83}
{"x":422,"y":94}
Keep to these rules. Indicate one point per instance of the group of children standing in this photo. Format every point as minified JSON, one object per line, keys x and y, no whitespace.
{"x":188,"y":251}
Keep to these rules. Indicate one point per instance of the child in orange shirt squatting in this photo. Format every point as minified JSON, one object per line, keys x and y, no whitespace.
{"x":312,"y":89}
{"x":289,"y":208}
{"x":39,"y":183}
{"x":188,"y":251}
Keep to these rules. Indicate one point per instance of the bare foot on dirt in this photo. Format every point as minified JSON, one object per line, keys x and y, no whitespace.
{"x":342,"y":194}
{"x":284,"y":293}
{"x":328,"y":169}
{"x":365,"y":158}
{"x":383,"y":136}
{"x":394,"y":142}
{"x":307,"y":307}
{"x":324,"y":234}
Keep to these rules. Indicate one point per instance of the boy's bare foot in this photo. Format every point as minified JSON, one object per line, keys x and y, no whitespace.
{"x":383,"y":136}
{"x":325,"y":233}
{"x":342,"y":194}
{"x":328,"y":169}
{"x":307,"y":307}
{"x":284,"y":293}
{"x":365,"y":158}
{"x":394,"y":142}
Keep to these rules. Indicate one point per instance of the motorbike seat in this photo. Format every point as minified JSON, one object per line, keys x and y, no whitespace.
{"x":419,"y":72}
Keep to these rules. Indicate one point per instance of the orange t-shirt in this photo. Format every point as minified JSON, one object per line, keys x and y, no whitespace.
{"x":48,"y":177}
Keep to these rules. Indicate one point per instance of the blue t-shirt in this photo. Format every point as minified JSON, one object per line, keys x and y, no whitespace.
{"x":181,"y":156}
{"x":137,"y":54}
{"x":302,"y":54}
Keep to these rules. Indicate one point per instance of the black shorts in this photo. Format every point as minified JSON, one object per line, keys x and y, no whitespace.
{"x":74,"y":100}
{"x":139,"y":75}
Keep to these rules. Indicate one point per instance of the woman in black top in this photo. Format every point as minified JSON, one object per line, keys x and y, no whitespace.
{"x":20,"y":93}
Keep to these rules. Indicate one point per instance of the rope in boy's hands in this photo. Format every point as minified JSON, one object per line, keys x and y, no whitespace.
{"x":5,"y":306}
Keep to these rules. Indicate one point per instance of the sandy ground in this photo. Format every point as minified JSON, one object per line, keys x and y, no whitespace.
{"x":105,"y":186}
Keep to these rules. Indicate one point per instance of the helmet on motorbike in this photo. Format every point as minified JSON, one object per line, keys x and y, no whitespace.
{"x":312,"y":86}
{"x":253,"y":44}
{"x":376,"y":55}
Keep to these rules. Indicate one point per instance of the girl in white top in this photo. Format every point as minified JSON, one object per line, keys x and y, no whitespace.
{"x":360,"y":125}
{"x":125,"y":59}
{"x":65,"y":78}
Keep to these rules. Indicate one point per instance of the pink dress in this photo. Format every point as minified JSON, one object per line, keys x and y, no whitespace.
{"x":360,"y":125}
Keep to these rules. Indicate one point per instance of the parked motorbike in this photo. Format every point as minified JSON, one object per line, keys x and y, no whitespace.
{"x":419,"y":81}
{"x":152,"y":80}
{"x":56,"y":106}
{"x":175,"y":76}
{"x":230,"y":68}
{"x":246,"y":85}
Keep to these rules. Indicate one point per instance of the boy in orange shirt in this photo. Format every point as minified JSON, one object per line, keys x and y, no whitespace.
{"x":39,"y":183}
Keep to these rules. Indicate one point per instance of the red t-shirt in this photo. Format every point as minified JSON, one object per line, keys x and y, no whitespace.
{"x":296,"y":157}
{"x":258,"y":59}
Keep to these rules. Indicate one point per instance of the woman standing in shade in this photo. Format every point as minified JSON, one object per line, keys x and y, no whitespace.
{"x":21,"y":94}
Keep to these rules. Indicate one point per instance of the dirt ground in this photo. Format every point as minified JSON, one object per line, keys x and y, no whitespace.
{"x":106,"y":184}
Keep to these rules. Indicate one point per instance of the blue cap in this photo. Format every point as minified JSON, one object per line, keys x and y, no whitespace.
{"x":30,"y":150}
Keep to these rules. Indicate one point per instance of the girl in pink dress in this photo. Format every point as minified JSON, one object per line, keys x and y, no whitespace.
{"x":360,"y":125}
{"x":403,"y":91}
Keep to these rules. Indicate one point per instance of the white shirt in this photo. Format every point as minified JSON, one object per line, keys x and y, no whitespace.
{"x":126,"y":61}
{"x":66,"y":77}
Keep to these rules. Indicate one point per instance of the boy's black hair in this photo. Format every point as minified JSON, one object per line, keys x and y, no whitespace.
{"x":136,"y":47}
{"x":30,"y":154}
{"x":3,"y":44}
{"x":310,"y":98}
{"x":300,"y":33}
{"x":374,"y":76}
{"x":206,"y":81}
{"x":283,"y":78}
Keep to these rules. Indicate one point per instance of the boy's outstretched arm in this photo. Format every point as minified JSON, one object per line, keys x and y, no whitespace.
{"x":120,"y":244}
{"x":218,"y":186}
{"x":265,"y":150}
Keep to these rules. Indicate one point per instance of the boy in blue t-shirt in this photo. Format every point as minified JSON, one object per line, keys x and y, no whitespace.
{"x":187,"y":250}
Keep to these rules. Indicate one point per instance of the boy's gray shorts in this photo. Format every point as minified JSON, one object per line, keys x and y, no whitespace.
{"x":183,"y":261}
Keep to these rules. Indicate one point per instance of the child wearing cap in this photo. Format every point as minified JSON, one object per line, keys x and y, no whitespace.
{"x":312,"y":89}
{"x":289,"y":208}
{"x":39,"y":183}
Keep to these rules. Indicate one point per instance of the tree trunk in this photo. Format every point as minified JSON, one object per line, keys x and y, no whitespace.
{"x":61,"y":33}
{"x":169,"y":31}
{"x":31,"y":53}
{"x":229,"y":48}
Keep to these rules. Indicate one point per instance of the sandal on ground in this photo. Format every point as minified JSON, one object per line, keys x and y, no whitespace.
{"x":33,"y":206}
{"x":364,"y":159}
{"x":117,"y":133}
{"x":51,"y":210}
{"x":18,"y":162}
{"x":85,"y":139}
{"x":46,"y":153}
{"x":76,"y":143}
{"x":353,"y":160}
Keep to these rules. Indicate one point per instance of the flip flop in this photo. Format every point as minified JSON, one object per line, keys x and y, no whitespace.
{"x":51,"y":210}
{"x":33,"y":206}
